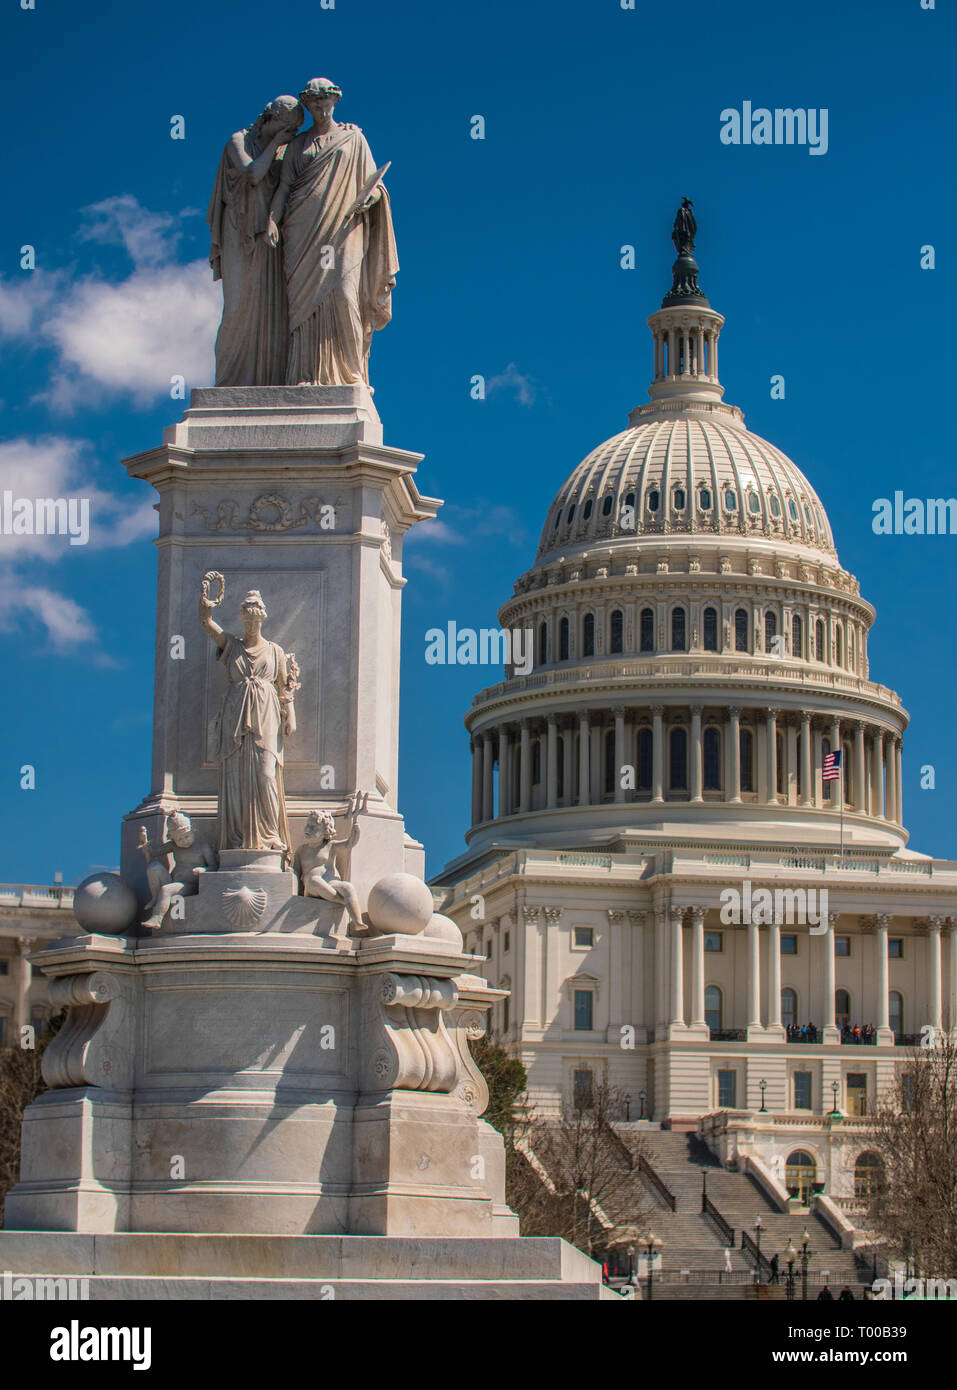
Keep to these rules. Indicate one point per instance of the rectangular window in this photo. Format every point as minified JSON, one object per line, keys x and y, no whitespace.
{"x":842,"y":945}
{"x":505,"y":1016}
{"x":584,"y":1000}
{"x":582,"y":1083}
{"x":4,"y":967}
{"x":584,"y":937}
{"x":712,"y":941}
{"x":789,"y":945}
{"x":895,"y":947}
{"x":802,"y":1090}
{"x":3,"y":1032}
{"x":507,"y":942}
{"x":727,"y":1089}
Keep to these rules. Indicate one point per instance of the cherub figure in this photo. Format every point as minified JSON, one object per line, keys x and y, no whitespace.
{"x":191,"y":857}
{"x":315,"y":861}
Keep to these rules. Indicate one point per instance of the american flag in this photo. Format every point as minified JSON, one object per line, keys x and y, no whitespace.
{"x":832,"y":767}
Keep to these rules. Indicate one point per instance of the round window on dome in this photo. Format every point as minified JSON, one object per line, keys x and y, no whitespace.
{"x":607,"y":505}
{"x":754,"y":502}
{"x":792,"y":509}
{"x":679,"y":499}
{"x":654,"y":500}
{"x":731,"y":500}
{"x":704,"y":499}
{"x":775,"y":506}
{"x":587,"y":512}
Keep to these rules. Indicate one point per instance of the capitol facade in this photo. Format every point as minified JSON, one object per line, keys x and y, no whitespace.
{"x":699,"y":651}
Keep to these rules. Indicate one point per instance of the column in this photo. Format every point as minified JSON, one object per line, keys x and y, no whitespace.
{"x":877,"y":775}
{"x":503,"y":793}
{"x":899,"y":779}
{"x":568,"y":747}
{"x":754,"y":976}
{"x":661,"y":959}
{"x":771,"y":761}
{"x":774,"y":975}
{"x":697,"y":755}
{"x":734,"y":753}
{"x":792,"y":765}
{"x":830,"y":1018}
{"x":525,"y":768}
{"x":884,"y":1034}
{"x":837,"y":788}
{"x":700,"y":334}
{"x":677,"y":967}
{"x":714,"y":355}
{"x":672,"y":357}
{"x":935,"y":1002}
{"x":859,"y":804}
{"x":657,"y":753}
{"x":476,"y":780}
{"x":806,"y":797}
{"x":890,"y":760}
{"x":620,"y":757}
{"x":658,"y":356}
{"x":487,"y":779}
{"x":551,"y":763}
{"x":697,"y":966}
{"x":584,"y":764}
{"x":21,"y":1006}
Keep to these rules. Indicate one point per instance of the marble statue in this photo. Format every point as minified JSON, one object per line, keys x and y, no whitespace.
{"x":257,"y":710}
{"x":315,"y":862}
{"x":338,"y":246}
{"x":252,"y":342}
{"x":191,"y":857}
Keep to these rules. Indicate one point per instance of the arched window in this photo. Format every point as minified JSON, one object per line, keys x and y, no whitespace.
{"x":712,"y":1006}
{"x":800,"y":1175}
{"x":792,"y":509}
{"x":704,"y":499}
{"x":741,"y":630}
{"x":588,"y":635}
{"x":895,"y":1002}
{"x":710,"y":623}
{"x":789,"y":1008}
{"x":607,"y":505}
{"x":678,"y":635}
{"x":842,"y":1007}
{"x":558,"y":519}
{"x":560,"y":779}
{"x":610,"y":769}
{"x":571,"y":514}
{"x":563,"y":640}
{"x":678,"y":760}
{"x":645,"y":758}
{"x":678,"y":498}
{"x":827,"y":788}
{"x":647,"y":643}
{"x":616,"y":634}
{"x":712,"y":760}
{"x":808,"y":517}
{"x":868,"y":1176}
{"x":754,"y":503}
{"x":746,"y":741}
{"x":654,"y":500}
{"x":731,"y":500}
{"x":770,"y":630}
{"x":542,"y":644}
{"x":839,"y":645}
{"x":779,"y":762}
{"x":537,"y":761}
{"x":775,"y":506}
{"x":797,"y":636}
{"x":820,"y":645}
{"x":587,"y":512}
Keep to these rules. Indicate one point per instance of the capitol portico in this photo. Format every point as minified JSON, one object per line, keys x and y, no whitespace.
{"x":699,"y":650}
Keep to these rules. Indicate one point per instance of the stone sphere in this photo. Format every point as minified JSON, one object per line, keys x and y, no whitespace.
{"x":104,"y":903}
{"x":401,"y":903}
{"x":444,"y":929}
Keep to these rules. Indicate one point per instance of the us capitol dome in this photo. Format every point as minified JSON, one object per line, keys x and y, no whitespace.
{"x":700,"y":651}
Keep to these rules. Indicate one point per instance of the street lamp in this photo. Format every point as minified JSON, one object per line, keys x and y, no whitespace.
{"x":763,"y":1086}
{"x":805,"y":1256}
{"x":790,"y":1254}
{"x":835,"y":1088}
{"x":641,"y":1097}
{"x":627,"y":1108}
{"x":653,"y":1245}
{"x":631,"y":1264}
{"x":757,"y":1241}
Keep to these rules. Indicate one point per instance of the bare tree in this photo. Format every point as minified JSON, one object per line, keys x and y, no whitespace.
{"x":914,"y":1206}
{"x":20,"y":1084}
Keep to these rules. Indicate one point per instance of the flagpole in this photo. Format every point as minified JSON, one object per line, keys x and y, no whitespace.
{"x":842,"y":810}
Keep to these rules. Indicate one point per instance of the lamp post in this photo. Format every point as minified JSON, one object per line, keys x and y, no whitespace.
{"x":653,"y":1245}
{"x":627,"y":1108}
{"x":790,"y":1254}
{"x":805,"y":1256}
{"x":704,"y":1187}
{"x":835,"y":1088}
{"x":757,"y":1241}
{"x":763,"y":1086}
{"x":641,"y":1097}
{"x":631,"y":1264}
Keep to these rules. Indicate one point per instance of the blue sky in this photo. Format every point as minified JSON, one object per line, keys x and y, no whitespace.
{"x":598,"y":119}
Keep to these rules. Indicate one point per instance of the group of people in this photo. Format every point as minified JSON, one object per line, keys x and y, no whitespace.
{"x":810,"y":1033}
{"x":857,"y":1034}
{"x":803,"y":1032}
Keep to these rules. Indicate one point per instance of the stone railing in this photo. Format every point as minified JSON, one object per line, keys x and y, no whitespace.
{"x":35,"y":895}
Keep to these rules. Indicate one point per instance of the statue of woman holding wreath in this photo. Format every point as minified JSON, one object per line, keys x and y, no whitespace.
{"x":256,"y":712}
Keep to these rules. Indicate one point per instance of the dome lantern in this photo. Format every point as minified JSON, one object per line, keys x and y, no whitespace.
{"x":685,"y":329}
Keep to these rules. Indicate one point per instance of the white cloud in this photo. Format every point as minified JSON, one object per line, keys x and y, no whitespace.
{"x":126,"y":337}
{"x":513,"y":380}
